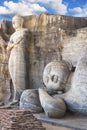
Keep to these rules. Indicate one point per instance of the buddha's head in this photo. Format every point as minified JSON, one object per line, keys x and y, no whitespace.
{"x":55,"y":75}
{"x":17,"y":22}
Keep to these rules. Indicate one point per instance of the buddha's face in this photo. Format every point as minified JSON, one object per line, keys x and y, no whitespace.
{"x":17,"y":22}
{"x":55,"y":75}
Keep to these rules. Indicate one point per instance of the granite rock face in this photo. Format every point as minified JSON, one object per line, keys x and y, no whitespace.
{"x":5,"y":31}
{"x":74,"y":46}
{"x":52,"y":38}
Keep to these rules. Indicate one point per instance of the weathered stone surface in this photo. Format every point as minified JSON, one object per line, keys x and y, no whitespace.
{"x":5,"y":32}
{"x":51,"y":37}
{"x":18,"y":60}
{"x":30,"y":100}
{"x":4,"y":75}
{"x":56,"y":74}
{"x":49,"y":42}
{"x":54,"y":108}
{"x":73,"y":46}
{"x":46,"y":21}
{"x":48,"y":34}
{"x":76,"y":97}
{"x":6,"y":29}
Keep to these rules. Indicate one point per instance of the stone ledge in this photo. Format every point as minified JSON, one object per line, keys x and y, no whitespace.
{"x":73,"y":121}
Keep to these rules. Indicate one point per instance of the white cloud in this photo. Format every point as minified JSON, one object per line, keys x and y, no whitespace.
{"x":55,"y":5}
{"x":4,"y":11}
{"x":61,"y":9}
{"x":76,"y":10}
{"x":28,"y":7}
{"x":79,"y":12}
{"x":22,"y":8}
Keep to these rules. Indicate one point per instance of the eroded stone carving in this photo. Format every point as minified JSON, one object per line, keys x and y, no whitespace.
{"x":18,"y":61}
{"x":53,"y":108}
{"x":30,"y":100}
{"x":55,"y":75}
{"x":76,"y":97}
{"x":78,"y":86}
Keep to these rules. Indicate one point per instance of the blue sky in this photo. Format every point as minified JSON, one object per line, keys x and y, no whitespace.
{"x":10,"y":8}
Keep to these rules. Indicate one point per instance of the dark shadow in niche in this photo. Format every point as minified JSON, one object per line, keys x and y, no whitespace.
{"x":73,"y":69}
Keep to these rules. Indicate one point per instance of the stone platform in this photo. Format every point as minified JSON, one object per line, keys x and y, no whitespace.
{"x":19,"y":120}
{"x":53,"y":127}
{"x":73,"y":121}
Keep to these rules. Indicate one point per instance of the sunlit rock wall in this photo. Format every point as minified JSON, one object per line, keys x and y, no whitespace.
{"x":51,"y":37}
{"x":5,"y":31}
